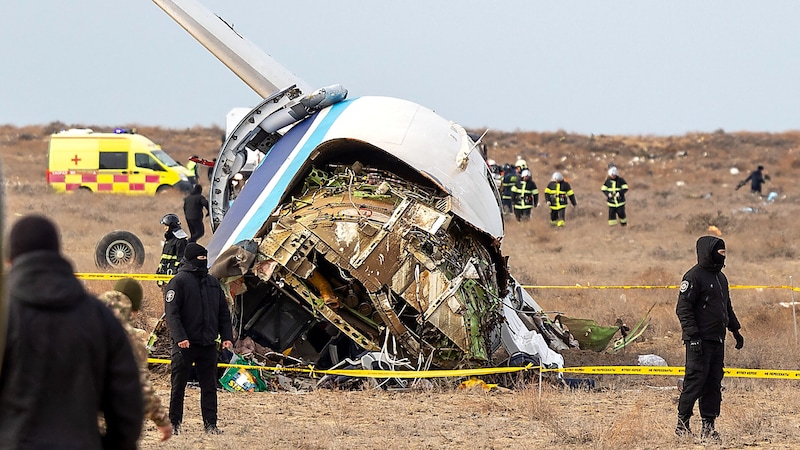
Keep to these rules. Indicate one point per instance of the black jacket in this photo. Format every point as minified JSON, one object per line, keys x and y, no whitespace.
{"x":67,"y":358}
{"x":196,"y":307}
{"x":614,"y":190}
{"x":704,"y":303}
{"x":756,"y":179}
{"x":525,"y":194}
{"x":509,"y":181}
{"x":193,"y":205}
{"x":175,"y":243}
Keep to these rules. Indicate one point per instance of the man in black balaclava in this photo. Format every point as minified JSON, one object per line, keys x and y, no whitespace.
{"x":704,"y":310}
{"x":197,"y":312}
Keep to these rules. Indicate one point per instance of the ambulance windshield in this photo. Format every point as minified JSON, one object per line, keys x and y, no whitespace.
{"x":164,"y":158}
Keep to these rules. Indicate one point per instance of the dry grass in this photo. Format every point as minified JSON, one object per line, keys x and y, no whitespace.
{"x":679,"y":186}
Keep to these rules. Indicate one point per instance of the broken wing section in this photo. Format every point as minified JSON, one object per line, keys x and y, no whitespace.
{"x":257,"y":69}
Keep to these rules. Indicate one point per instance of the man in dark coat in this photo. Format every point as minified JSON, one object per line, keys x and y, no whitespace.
{"x":197,"y":313}
{"x":704,"y":310}
{"x":193,"y":205}
{"x":67,"y":358}
{"x":756,"y":179}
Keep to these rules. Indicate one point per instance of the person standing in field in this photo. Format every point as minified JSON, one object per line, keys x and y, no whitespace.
{"x":193,"y":206}
{"x":174,"y":246}
{"x":756,"y":179}
{"x":67,"y":358}
{"x":510,"y":177}
{"x":526,"y":196}
{"x":197,"y":313}
{"x":614,"y":189}
{"x":556,"y":194}
{"x":705,"y":312}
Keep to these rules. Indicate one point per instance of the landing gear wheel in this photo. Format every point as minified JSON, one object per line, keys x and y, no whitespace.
{"x":119,"y":249}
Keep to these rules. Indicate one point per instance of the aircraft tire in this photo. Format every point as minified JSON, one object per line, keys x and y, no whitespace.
{"x":119,"y":249}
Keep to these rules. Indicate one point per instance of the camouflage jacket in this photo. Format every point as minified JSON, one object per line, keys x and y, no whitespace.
{"x":121,"y":306}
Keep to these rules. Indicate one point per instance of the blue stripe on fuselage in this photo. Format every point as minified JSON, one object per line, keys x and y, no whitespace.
{"x":248,"y":199}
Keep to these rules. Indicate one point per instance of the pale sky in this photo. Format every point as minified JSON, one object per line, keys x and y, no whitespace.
{"x":611,"y":67}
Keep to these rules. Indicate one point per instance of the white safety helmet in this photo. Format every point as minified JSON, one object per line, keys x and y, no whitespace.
{"x":612,"y":172}
{"x":521,"y":164}
{"x":557,"y":176}
{"x":525,"y":173}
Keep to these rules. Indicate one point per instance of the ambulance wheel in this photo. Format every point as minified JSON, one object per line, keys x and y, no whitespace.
{"x":119,"y":249}
{"x":163,"y":189}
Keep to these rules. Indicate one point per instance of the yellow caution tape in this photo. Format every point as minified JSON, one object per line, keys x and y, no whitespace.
{"x":670,"y":286}
{"x":665,"y":370}
{"x":763,"y":373}
{"x":375,"y":373}
{"x":620,"y":370}
{"x":117,"y":276}
{"x":593,"y":370}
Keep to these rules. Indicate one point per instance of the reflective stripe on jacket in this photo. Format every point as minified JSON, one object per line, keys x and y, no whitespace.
{"x":525,"y":194}
{"x":557,"y":193}
{"x":615,"y":189}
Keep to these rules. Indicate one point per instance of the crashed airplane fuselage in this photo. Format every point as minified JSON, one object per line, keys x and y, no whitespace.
{"x":371,"y":225}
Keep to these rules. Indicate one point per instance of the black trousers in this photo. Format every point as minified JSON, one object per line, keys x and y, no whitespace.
{"x":508,"y":205}
{"x":522,"y":213}
{"x":196,"y":229}
{"x":617,"y":211}
{"x":205,"y":359}
{"x":558,"y":216}
{"x":703,"y":380}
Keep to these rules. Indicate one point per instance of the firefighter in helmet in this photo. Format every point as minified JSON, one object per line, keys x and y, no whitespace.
{"x":510,"y":177}
{"x":614,"y":189}
{"x":556,"y":194}
{"x":526,"y":196}
{"x":175,"y":240}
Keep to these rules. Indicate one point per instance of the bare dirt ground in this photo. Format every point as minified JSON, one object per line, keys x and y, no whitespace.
{"x":680,"y":185}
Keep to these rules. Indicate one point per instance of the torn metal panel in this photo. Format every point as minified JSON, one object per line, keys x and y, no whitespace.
{"x":338,"y":321}
{"x":376,"y":255}
{"x":393,"y":323}
{"x":289,"y":245}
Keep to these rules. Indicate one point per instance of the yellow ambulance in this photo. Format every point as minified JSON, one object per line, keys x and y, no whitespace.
{"x":121,"y":162}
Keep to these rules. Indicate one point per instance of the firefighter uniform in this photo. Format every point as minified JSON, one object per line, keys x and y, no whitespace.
{"x":556,"y":194}
{"x":614,"y":189}
{"x":510,"y":177}
{"x":175,"y":240}
{"x":525,"y":196}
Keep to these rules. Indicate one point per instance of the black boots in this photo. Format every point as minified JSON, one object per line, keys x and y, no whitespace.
{"x":708,"y":432}
{"x":211,"y":428}
{"x":682,"y":429}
